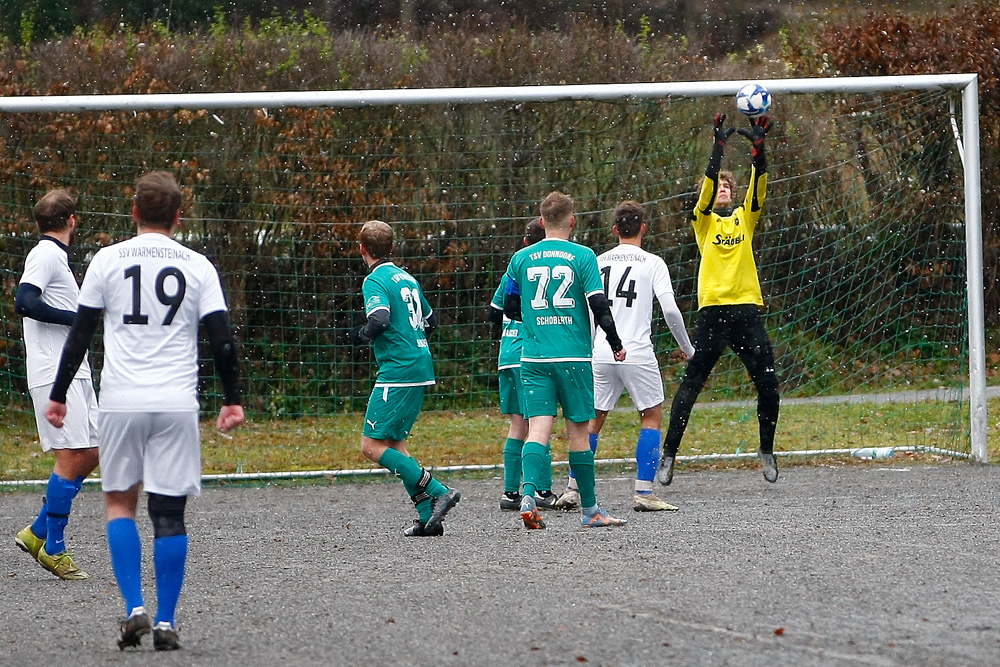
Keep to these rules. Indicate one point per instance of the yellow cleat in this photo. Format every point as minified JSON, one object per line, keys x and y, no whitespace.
{"x":61,"y":565}
{"x":28,"y":542}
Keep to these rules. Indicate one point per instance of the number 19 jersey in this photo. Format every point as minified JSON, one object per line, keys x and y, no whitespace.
{"x":404,"y":359}
{"x":555,"y":277}
{"x":154,"y":292}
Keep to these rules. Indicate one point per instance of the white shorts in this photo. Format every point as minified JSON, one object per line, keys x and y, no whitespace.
{"x":79,"y":429}
{"x":160,"y":449}
{"x":643,"y":381}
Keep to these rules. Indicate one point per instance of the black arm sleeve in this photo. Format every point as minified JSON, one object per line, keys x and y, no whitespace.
{"x":496,"y":314}
{"x":80,"y":333}
{"x":28,"y":303}
{"x":759,"y":158}
{"x":512,"y":306}
{"x":715,"y":162}
{"x":601,"y":308}
{"x":430,"y":324}
{"x":377,"y":324}
{"x":224,"y":353}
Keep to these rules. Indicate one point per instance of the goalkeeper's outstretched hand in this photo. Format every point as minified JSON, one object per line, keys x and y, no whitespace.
{"x":759,"y":127}
{"x":722,"y":135}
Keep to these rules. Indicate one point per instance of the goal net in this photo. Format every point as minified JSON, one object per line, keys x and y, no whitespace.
{"x":861,"y":250}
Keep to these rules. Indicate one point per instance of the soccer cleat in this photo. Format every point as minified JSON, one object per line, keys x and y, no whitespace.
{"x":133,"y":628}
{"x":419,"y":529}
{"x":510,"y":501}
{"x":530,"y":515}
{"x":599,"y":518}
{"x":770,"y":463}
{"x":650,"y":503}
{"x":665,"y":473}
{"x":28,"y":542}
{"x":62,"y":565}
{"x":165,"y":637}
{"x":441,"y":506}
{"x":546,"y":500}
{"x":569,"y":500}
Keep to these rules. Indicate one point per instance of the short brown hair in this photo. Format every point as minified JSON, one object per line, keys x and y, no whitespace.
{"x":534,"y":232}
{"x":556,"y":210}
{"x":53,"y":210}
{"x":157,"y":199}
{"x":376,"y":238}
{"x":629,"y":217}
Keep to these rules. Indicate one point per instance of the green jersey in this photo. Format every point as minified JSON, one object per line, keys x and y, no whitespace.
{"x":510,"y":340}
{"x":402,"y":354}
{"x":555,"y":277}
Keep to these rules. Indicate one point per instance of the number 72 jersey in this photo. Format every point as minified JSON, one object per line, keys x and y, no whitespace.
{"x":404,"y":359}
{"x":154,"y":292}
{"x":555,"y":277}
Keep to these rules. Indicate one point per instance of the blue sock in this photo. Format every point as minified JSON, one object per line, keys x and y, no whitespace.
{"x":647,"y":454}
{"x":126,"y":560}
{"x":593,"y":449}
{"x":59,"y":496}
{"x":39,"y":527}
{"x":169,"y":557}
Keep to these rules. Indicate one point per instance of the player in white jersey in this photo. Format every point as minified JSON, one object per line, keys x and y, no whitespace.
{"x":153,"y":293}
{"x":632,"y":277}
{"x":46,"y":298}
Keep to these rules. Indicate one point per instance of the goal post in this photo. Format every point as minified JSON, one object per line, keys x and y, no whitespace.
{"x":276,"y":184}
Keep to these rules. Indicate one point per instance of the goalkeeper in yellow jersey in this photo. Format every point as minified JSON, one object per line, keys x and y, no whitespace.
{"x":729,"y":296}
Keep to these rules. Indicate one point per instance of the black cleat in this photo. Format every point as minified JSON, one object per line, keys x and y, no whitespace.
{"x":419,"y":529}
{"x":770,"y":463}
{"x":510,"y":501}
{"x":442,"y":505}
{"x":165,"y":637}
{"x":665,"y":473}
{"x":544,"y":500}
{"x":133,"y":628}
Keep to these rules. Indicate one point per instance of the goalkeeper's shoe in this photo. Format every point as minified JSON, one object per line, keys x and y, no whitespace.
{"x":165,"y":637}
{"x":530,"y":515}
{"x":770,"y":464}
{"x":62,"y":565}
{"x":665,"y":472}
{"x":420,"y":529}
{"x":28,"y":542}
{"x":650,"y":503}
{"x":133,"y":628}
{"x":440,"y":506}
{"x":546,"y":500}
{"x":569,"y":500}
{"x":597,"y":517}
{"x":510,"y":501}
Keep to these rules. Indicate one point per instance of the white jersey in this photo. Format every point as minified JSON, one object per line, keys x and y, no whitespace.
{"x":632,"y":277}
{"x":154,"y":292}
{"x":47,"y":268}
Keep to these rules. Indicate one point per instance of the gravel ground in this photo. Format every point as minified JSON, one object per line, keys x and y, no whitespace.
{"x":853,"y":565}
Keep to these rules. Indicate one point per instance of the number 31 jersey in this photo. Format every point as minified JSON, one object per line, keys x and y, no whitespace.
{"x":154,"y":292}
{"x":403,"y":358}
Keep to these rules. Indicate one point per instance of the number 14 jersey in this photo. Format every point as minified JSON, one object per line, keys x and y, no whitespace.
{"x":154,"y":292}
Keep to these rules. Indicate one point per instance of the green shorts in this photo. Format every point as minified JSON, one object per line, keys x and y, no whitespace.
{"x":392,"y":412}
{"x":569,"y":384}
{"x":511,"y":395}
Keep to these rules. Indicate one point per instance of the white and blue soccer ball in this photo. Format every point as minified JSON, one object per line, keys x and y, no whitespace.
{"x":753,"y":100}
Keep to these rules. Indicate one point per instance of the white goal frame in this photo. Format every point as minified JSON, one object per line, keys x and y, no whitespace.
{"x":968,"y":138}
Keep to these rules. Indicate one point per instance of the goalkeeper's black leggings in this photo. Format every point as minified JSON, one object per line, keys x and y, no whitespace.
{"x":718,"y":327}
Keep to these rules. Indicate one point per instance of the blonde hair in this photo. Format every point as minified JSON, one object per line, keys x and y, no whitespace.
{"x":556,"y":210}
{"x":376,"y":238}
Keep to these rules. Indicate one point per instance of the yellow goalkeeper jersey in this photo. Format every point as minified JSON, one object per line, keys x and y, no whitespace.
{"x":727,"y":275}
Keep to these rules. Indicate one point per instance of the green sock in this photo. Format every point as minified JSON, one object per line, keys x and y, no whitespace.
{"x":512,"y":465}
{"x":408,"y":470}
{"x":532,"y":466}
{"x":582,"y":465}
{"x":545,"y":481}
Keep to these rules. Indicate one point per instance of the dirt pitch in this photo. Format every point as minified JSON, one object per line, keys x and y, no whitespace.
{"x":830,"y":566}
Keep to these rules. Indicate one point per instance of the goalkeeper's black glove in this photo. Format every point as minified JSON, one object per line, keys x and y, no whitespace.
{"x":721,"y":135}
{"x":759,"y":127}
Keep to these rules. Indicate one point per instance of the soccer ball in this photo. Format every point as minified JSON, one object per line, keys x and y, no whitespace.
{"x":753,"y":100}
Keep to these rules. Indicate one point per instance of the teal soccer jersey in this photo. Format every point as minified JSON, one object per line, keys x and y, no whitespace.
{"x":510,"y":340}
{"x":555,"y":277}
{"x":402,"y":354}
